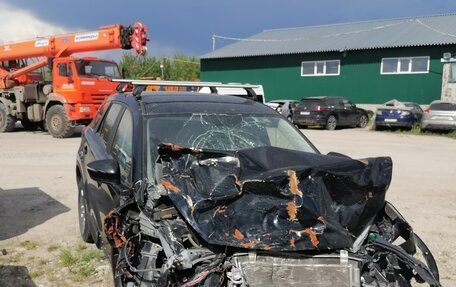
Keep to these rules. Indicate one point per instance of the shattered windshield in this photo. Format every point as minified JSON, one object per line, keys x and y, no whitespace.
{"x":227,"y":132}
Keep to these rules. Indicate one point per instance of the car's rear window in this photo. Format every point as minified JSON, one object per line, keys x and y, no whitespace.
{"x":443,"y":107}
{"x":310,"y":103}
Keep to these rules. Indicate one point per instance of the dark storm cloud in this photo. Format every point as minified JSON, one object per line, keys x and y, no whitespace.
{"x":187,"y":26}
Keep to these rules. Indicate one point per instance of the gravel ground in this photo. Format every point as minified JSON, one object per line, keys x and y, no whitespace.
{"x":38,"y":199}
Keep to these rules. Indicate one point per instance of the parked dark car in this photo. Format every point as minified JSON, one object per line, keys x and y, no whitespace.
{"x":329,"y":112}
{"x":184,"y":189}
{"x":396,"y":114}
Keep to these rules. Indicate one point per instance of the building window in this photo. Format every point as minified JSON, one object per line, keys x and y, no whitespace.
{"x":405,"y":65}
{"x":320,"y":68}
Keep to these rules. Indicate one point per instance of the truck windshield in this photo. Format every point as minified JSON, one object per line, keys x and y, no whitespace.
{"x":96,"y":69}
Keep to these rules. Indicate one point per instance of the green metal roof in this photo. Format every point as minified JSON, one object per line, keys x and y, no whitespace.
{"x":394,"y":33}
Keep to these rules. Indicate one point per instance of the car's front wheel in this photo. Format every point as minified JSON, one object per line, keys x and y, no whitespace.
{"x":362,"y":122}
{"x":83,"y":214}
{"x":331,"y":123}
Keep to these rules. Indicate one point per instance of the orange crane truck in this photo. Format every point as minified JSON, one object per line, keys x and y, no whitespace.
{"x":78,"y":87}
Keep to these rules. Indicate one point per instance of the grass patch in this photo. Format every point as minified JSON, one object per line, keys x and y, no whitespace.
{"x":52,"y":248}
{"x":452,"y":135}
{"x":413,"y":131}
{"x":417,"y":131}
{"x":82,"y":262}
{"x":50,"y":275}
{"x":11,"y":258}
{"x":36,"y":273}
{"x":29,"y":244}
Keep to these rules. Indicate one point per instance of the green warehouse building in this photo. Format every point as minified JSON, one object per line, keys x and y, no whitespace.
{"x":367,"y":62}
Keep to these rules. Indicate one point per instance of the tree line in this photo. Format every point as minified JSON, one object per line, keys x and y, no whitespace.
{"x":178,"y":68}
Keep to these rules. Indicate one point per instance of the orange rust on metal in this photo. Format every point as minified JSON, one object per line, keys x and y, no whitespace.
{"x":313,"y":236}
{"x":250,"y":244}
{"x":293,"y":181}
{"x":292,"y":210}
{"x":292,"y":242}
{"x":174,"y":147}
{"x":238,"y":235}
{"x":169,"y":185}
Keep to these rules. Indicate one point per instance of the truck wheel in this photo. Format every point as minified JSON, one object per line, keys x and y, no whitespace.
{"x":57,"y":122}
{"x":7,"y":122}
{"x":30,"y":126}
{"x":331,"y":123}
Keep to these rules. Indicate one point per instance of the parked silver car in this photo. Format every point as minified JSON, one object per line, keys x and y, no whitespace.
{"x":441,"y":115}
{"x":284,"y":107}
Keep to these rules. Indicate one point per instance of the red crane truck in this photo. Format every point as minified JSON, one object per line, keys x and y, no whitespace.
{"x":78,"y":87}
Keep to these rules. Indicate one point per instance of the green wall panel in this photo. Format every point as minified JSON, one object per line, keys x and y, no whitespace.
{"x":359,"y":80}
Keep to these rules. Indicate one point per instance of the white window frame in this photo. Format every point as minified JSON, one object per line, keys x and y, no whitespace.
{"x":324,"y":68}
{"x":398,"y":65}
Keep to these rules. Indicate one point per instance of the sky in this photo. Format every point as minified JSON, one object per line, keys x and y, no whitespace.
{"x":187,"y":26}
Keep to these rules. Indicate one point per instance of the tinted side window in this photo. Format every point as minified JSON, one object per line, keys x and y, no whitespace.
{"x":109,"y":121}
{"x":64,"y":70}
{"x":347,"y":104}
{"x":338,"y":103}
{"x":99,"y":115}
{"x":122,"y":146}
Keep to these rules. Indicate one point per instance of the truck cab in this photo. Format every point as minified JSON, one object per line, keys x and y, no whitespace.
{"x":81,"y":85}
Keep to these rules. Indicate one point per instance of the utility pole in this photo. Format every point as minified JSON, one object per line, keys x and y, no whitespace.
{"x":161,"y":68}
{"x":213,"y":42}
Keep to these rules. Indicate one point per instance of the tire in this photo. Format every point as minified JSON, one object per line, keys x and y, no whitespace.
{"x":82,"y":214}
{"x":331,"y":123}
{"x":7,"y":122}
{"x":57,"y":122}
{"x":362,"y":121}
{"x":30,"y":126}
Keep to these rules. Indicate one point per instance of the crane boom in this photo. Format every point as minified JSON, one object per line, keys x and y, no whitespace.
{"x":105,"y":38}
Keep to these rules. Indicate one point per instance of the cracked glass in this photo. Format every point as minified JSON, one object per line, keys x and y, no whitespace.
{"x":227,"y":132}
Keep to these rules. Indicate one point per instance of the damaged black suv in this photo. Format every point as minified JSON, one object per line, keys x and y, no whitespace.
{"x":205,"y":190}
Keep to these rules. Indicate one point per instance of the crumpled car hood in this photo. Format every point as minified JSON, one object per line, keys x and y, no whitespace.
{"x":275,"y":199}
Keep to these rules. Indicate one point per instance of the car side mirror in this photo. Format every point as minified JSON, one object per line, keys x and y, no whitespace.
{"x":104,"y":171}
